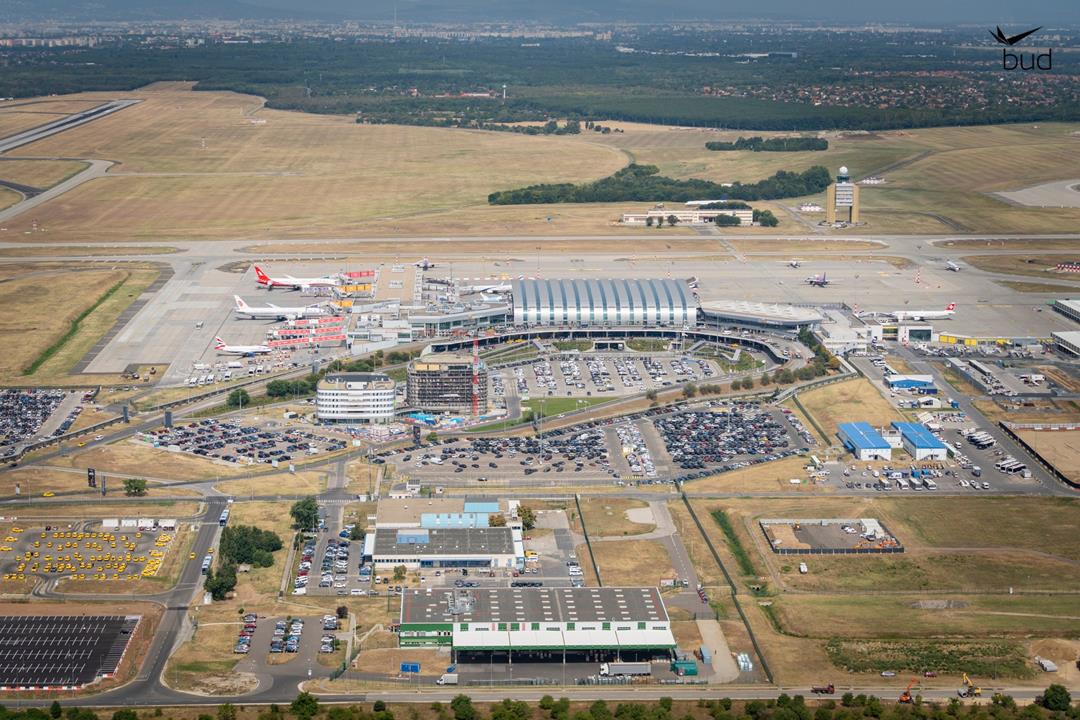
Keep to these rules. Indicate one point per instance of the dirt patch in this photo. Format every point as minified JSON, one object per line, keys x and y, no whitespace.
{"x":1060,"y":448}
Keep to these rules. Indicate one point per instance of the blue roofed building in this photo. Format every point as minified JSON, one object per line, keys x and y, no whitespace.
{"x":864,"y":442}
{"x":919,"y":442}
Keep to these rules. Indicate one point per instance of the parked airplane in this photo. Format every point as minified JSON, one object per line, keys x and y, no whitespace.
{"x":245,"y":350}
{"x":818,"y":280}
{"x":271,"y":311}
{"x":494,"y":288}
{"x":288,"y":281}
{"x":795,"y":262}
{"x":950,"y":265}
{"x":948,"y":312}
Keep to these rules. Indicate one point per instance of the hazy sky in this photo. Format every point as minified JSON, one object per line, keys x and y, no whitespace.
{"x":1028,"y":13}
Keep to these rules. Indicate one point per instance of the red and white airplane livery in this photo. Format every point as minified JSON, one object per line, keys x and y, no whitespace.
{"x":948,"y":312}
{"x":294,"y":283}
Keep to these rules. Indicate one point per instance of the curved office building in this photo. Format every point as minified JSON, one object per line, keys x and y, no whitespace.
{"x":604,"y":302}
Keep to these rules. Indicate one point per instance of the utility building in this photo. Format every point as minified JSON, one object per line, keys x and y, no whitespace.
{"x":538,"y":624}
{"x":919,"y":442}
{"x":445,"y":547}
{"x":864,"y":442}
{"x":604,"y":302}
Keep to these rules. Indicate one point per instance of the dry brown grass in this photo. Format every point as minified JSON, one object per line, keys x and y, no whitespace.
{"x":607,"y":516}
{"x":8,"y":197}
{"x":766,"y":477}
{"x":39,"y":173}
{"x":35,"y":317}
{"x":113,"y":506}
{"x":298,"y":483}
{"x":136,"y":458}
{"x":297,"y":175}
{"x":84,"y":251}
{"x":1034,"y":265}
{"x":629,"y":563}
{"x":1035,"y":411}
{"x":851,"y":400}
{"x":1061,"y":448}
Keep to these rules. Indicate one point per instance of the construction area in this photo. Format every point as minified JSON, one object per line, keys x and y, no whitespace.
{"x":833,"y":536}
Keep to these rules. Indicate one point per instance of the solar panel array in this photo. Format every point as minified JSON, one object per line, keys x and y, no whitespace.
{"x":38,"y":651}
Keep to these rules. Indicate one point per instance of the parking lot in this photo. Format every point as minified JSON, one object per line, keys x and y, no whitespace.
{"x":289,"y":636}
{"x":93,"y":554}
{"x":24,"y":414}
{"x":237,"y":443}
{"x":61,"y":651}
{"x":586,"y":375}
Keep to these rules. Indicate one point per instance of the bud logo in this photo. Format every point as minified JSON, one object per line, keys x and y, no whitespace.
{"x":1021,"y":61}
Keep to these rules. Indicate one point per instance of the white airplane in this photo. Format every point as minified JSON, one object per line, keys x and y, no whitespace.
{"x":950,"y":265}
{"x":795,"y":263}
{"x":245,"y":350}
{"x":424,"y":264}
{"x":271,"y":311}
{"x":495,"y":288}
{"x":288,"y":281}
{"x":948,"y":312}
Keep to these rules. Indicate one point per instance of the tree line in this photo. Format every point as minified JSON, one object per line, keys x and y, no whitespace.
{"x":644,"y":183}
{"x":1055,"y":703}
{"x":778,"y":144}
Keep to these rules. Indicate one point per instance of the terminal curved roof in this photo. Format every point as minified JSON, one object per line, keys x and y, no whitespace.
{"x":611,"y":301}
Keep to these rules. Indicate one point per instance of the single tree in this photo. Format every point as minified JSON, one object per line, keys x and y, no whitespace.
{"x":55,"y":711}
{"x":527,"y":516}
{"x":305,"y":513}
{"x":134,"y":487}
{"x":305,"y":706}
{"x":238,"y":398}
{"x":1056,"y":698}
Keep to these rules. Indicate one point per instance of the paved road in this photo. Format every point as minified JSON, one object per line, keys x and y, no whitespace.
{"x":96,"y":169}
{"x":40,"y":132}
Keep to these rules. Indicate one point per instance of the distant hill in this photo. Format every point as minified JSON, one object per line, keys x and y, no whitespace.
{"x":136,"y":10}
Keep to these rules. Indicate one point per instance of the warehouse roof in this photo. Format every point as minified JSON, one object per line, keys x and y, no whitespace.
{"x":560,"y":605}
{"x":862,"y":436}
{"x":454,"y":542}
{"x":918,"y":436}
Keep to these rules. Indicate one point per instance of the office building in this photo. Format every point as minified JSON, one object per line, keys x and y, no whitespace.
{"x":355,"y":398}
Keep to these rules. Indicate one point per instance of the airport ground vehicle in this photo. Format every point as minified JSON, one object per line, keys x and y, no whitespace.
{"x":447,"y":679}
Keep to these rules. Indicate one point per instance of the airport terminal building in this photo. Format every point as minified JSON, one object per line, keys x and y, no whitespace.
{"x":538,"y":624}
{"x":604,"y":302}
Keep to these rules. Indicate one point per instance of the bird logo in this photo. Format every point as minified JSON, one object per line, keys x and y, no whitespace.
{"x":1011,"y":39}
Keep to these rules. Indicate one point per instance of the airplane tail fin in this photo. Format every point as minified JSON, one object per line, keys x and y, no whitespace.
{"x":950,"y":306}
{"x":261,"y":275}
{"x":240,"y":302}
{"x":218,"y":343}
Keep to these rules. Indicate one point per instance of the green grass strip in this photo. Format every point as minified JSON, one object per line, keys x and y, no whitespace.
{"x":734,"y":544}
{"x":73,"y":330}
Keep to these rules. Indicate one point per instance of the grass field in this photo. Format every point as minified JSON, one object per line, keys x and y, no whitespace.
{"x":86,"y":251}
{"x":39,"y":173}
{"x":629,"y":563}
{"x":608,"y":516}
{"x":952,"y":543}
{"x":26,"y":330}
{"x":296,"y":175}
{"x":1033,"y":265}
{"x":135,"y":458}
{"x":1060,"y":448}
{"x":8,"y":197}
{"x":263,"y":583}
{"x":851,"y":400}
{"x":767,"y":477}
{"x":299,"y":483}
{"x":1036,"y":411}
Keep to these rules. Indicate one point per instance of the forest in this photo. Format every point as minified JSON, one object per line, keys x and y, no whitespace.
{"x":776,"y":144}
{"x":644,"y":183}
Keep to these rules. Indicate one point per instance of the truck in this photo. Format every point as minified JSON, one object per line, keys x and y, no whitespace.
{"x":706,"y":655}
{"x":619,"y":669}
{"x":823,"y":689}
{"x":447,"y":679}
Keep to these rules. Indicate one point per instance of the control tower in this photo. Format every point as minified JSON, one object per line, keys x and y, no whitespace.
{"x":842,"y":199}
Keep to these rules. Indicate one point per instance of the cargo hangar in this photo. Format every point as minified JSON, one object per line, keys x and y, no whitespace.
{"x":538,"y":624}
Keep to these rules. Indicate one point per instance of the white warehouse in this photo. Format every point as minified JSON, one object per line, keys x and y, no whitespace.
{"x":355,"y":398}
